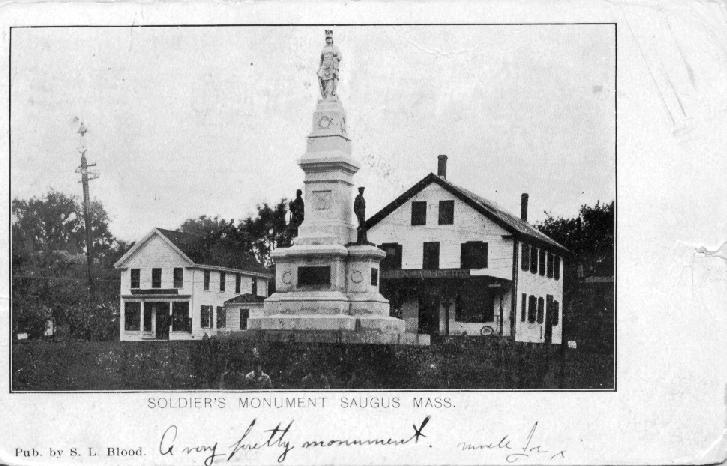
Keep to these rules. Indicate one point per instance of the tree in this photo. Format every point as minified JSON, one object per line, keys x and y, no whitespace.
{"x":257,"y":235}
{"x":267,"y":230}
{"x":588,"y":307}
{"x":209,"y":227}
{"x":589,"y":236}
{"x":48,"y":268}
{"x":44,"y":226}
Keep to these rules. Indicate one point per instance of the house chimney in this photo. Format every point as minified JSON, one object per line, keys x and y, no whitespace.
{"x":524,"y":207}
{"x":442,"y":166}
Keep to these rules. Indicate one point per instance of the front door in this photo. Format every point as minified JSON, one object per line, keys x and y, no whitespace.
{"x":162,"y":320}
{"x":429,"y":314}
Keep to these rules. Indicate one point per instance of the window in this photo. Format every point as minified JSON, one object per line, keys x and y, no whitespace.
{"x":311,"y":276}
{"x":541,"y":310}
{"x":477,"y":306}
{"x":550,"y":265}
{"x":556,"y":268}
{"x":206,"y":280}
{"x":147,"y":317}
{"x":556,"y":313}
{"x":244,"y":315}
{"x":532,"y":308}
{"x":222,"y":281}
{"x":419,"y":213}
{"x":541,"y":262}
{"x":237,"y":283}
{"x":135,"y":278}
{"x":132,"y":316}
{"x":178,"y":277}
{"x":181,"y":322}
{"x":524,"y":256}
{"x":221,"y":317}
{"x":392,"y":261}
{"x":533,"y":259}
{"x":374,"y":276}
{"x":446,"y":212}
{"x":206,"y":318}
{"x":254,"y":283}
{"x":474,"y":255}
{"x":523,"y":306}
{"x":156,"y":278}
{"x":430,"y":259}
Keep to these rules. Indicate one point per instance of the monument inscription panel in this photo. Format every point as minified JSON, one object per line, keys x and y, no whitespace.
{"x":314,"y":275}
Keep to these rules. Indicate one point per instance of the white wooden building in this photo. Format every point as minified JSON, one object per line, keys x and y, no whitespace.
{"x":174,"y":287}
{"x":458,"y":264}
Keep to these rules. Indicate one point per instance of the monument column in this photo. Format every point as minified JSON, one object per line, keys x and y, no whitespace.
{"x":325,"y":281}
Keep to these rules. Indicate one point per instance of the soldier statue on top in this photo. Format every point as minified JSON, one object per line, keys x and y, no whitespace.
{"x":328,"y":69}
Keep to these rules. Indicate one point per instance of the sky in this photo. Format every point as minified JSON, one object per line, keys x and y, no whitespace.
{"x":184,"y":122}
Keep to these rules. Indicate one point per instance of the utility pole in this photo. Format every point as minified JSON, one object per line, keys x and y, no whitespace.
{"x":87,"y":176}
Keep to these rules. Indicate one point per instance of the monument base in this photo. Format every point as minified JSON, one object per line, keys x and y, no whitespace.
{"x":327,"y":310}
{"x":333,"y":337}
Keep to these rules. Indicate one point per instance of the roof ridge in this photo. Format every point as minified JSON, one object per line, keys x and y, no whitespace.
{"x":486,"y":207}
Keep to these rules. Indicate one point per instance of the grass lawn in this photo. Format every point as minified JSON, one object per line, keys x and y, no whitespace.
{"x":458,"y":364}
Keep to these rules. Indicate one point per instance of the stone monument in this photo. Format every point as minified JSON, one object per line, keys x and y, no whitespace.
{"x":327,"y":282}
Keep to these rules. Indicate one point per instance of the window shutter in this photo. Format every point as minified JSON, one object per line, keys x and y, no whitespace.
{"x":523,"y":306}
{"x":524,"y":256}
{"x":419,"y":213}
{"x":541,"y":310}
{"x":430,"y":259}
{"x":446,"y":212}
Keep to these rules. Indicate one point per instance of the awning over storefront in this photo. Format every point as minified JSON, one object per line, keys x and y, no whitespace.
{"x":423,"y":274}
{"x":163,"y":296}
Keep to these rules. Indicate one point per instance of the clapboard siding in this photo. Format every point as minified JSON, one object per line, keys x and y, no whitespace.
{"x":469,"y":225}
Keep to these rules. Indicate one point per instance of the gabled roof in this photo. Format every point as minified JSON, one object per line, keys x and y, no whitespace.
{"x":200,"y":252}
{"x":245,"y":298}
{"x":509,"y":222}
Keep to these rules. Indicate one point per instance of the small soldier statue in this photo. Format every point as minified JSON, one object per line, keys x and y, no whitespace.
{"x":359,"y":208}
{"x":297,"y":208}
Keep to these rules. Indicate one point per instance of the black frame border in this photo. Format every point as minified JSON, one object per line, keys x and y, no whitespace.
{"x":276,"y":392}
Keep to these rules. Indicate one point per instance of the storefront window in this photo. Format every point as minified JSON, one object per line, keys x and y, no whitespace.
{"x":474,"y":307}
{"x":132,"y":316}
